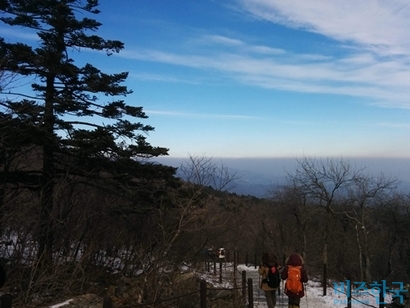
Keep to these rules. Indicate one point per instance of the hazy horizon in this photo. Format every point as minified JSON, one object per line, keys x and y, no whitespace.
{"x":274,"y":171}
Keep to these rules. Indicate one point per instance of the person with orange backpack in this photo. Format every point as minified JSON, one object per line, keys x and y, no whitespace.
{"x":295,"y":275}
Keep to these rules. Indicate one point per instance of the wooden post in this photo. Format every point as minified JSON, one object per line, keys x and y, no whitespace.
{"x":214,"y":268}
{"x":324,"y":281}
{"x":6,"y":301}
{"x":349,"y":293}
{"x":107,"y":302}
{"x":244,"y":286}
{"x":203,"y":293}
{"x":381,"y":299}
{"x":246,"y":258}
{"x":220,"y":271}
{"x":250,"y":293}
{"x":235,"y":265}
{"x":256,"y":261}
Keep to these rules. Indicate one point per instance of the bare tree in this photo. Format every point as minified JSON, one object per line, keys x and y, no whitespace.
{"x":177,"y":229}
{"x":322,"y":183}
{"x":364,"y":194}
{"x":203,"y":180}
{"x":203,"y":171}
{"x":294,"y":205}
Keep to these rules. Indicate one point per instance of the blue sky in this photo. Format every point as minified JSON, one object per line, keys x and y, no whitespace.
{"x":264,"y":78}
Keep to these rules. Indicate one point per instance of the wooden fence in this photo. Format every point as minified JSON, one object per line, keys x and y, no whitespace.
{"x":246,"y":289}
{"x":246,"y":293}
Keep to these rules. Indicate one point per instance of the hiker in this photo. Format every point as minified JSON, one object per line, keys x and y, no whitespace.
{"x":269,"y":263}
{"x":295,"y":275}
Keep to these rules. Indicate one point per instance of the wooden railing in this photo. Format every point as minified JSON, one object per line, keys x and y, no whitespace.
{"x":246,"y":294}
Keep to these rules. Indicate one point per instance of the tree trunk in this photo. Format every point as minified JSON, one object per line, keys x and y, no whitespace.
{"x":324,"y":282}
{"x":368,"y":265}
{"x":46,"y":236}
{"x":359,"y":246}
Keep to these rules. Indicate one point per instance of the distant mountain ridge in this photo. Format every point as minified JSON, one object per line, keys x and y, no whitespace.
{"x":256,"y":176}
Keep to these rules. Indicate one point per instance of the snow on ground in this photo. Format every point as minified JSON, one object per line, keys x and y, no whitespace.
{"x":61,"y":304}
{"x":314,"y":295}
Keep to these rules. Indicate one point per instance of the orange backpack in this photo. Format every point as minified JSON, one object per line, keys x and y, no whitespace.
{"x":294,"y":283}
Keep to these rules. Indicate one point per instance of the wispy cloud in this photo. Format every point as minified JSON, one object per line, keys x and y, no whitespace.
{"x":363,"y":75}
{"x":372,"y":59}
{"x":219,"y":39}
{"x":182,"y":114}
{"x":378,"y":25}
{"x":162,"y":78}
{"x":212,"y":42}
{"x":267,"y":50}
{"x":199,"y":115}
{"x":17,"y":34}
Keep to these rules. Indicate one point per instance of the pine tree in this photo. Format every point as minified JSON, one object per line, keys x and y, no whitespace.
{"x":63,"y":110}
